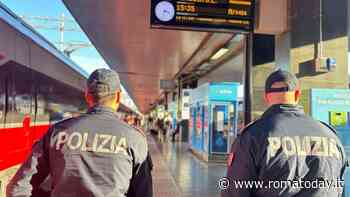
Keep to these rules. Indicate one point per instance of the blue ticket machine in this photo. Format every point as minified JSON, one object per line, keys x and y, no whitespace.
{"x":213,"y":119}
{"x":333,"y":107}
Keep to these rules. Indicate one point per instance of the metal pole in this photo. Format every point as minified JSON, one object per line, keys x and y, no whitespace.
{"x":321,"y":31}
{"x":166,"y":93}
{"x":179,"y":99}
{"x":61,"y":29}
{"x":248,"y":87}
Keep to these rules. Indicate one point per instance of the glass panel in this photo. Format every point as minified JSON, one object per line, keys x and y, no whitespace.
{"x":231,"y":124}
{"x":206,"y":128}
{"x":220,"y":129}
{"x":340,"y":121}
{"x":22,"y":94}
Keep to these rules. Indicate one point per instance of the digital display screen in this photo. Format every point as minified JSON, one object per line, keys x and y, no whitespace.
{"x":206,"y":15}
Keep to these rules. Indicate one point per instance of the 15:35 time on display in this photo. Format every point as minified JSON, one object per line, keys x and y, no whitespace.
{"x":185,"y":8}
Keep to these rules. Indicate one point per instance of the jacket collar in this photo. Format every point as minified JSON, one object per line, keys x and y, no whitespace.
{"x":281,"y":108}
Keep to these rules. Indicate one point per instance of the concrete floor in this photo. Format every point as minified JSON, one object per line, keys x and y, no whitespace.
{"x":178,"y":173}
{"x":5,"y":176}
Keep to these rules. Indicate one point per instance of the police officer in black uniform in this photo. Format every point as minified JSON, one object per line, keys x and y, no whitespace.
{"x":285,"y":153}
{"x":93,"y":155}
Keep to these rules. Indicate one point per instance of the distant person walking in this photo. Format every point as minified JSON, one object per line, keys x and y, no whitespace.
{"x":176,"y":131}
{"x":161,"y":129}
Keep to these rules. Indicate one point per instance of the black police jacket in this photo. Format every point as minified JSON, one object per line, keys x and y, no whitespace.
{"x":94,"y":155}
{"x":286,"y":153}
{"x":141,"y":183}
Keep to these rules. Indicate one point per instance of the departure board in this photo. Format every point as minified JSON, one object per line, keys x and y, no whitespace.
{"x":206,"y":15}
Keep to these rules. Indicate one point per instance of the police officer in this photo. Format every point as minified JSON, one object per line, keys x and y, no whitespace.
{"x":93,"y":155}
{"x":285,"y":153}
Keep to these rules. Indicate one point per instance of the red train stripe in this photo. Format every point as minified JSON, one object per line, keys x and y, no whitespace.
{"x":17,"y":143}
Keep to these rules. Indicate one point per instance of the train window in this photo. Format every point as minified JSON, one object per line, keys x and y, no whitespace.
{"x":57,"y":101}
{"x":9,"y":103}
{"x":50,"y":98}
{"x":25,"y":92}
{"x":20,"y":94}
{"x":42,"y":115}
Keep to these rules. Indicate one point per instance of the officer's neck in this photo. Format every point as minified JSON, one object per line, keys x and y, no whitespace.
{"x":282,"y":103}
{"x":113,"y":107}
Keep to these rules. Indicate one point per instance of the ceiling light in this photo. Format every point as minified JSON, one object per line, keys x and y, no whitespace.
{"x":219,"y":53}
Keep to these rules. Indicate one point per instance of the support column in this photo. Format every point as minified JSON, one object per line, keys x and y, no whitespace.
{"x":318,"y":28}
{"x":179,"y":98}
{"x":248,"y":97}
{"x":282,"y":51}
{"x":296,"y":49}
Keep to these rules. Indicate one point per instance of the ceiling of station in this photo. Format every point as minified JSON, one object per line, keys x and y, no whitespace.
{"x":142,"y":56}
{"x":231,"y":70}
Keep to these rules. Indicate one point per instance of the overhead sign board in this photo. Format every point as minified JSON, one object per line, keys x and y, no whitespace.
{"x":206,"y":15}
{"x":185,"y":110}
{"x":167,"y":84}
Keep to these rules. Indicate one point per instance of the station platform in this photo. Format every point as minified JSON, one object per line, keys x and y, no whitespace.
{"x":177,"y":172}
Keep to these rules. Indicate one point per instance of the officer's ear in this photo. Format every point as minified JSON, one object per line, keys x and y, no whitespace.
{"x":117,"y":97}
{"x":89,"y":99}
{"x":266,"y":98}
{"x":297,"y":95}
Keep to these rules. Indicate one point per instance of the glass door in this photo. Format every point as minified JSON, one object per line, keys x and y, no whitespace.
{"x":222,"y":127}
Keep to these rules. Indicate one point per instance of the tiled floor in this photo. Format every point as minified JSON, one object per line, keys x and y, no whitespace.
{"x":178,"y":173}
{"x":164,"y":184}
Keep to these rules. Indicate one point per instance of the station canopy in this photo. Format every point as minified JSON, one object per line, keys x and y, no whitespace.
{"x":120,"y":30}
